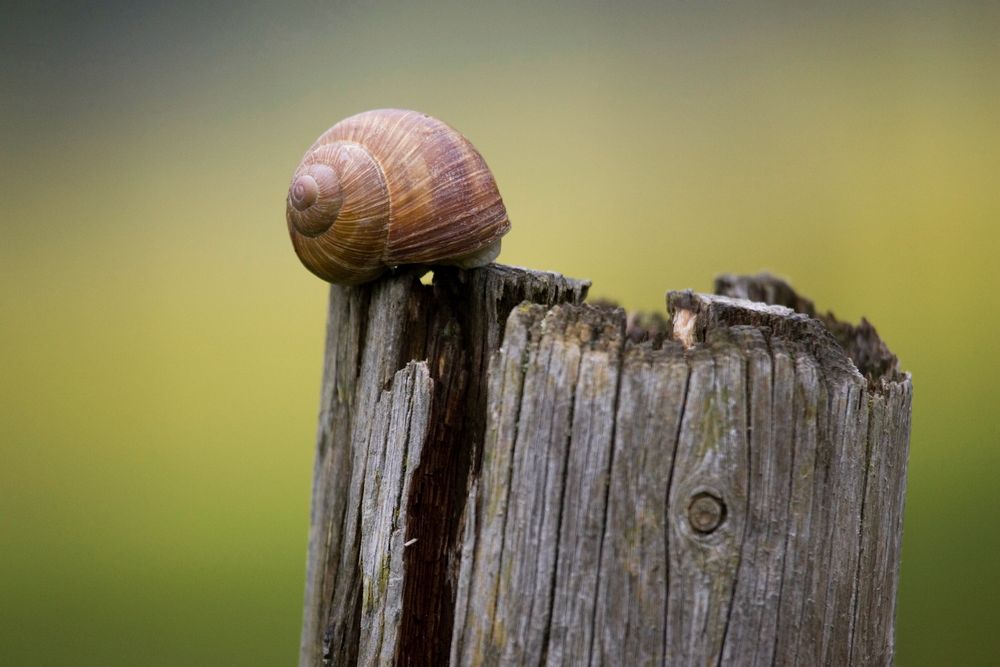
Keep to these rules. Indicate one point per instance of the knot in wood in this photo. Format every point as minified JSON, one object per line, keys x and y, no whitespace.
{"x":706,"y":512}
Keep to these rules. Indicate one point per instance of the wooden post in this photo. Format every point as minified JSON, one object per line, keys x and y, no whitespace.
{"x":505,"y":475}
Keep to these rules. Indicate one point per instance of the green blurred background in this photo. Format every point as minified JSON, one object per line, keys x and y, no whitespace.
{"x":160,"y":345}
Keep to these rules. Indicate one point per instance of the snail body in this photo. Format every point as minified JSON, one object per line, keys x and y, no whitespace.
{"x":390,"y":187}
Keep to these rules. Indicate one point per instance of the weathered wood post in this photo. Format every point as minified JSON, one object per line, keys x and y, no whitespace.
{"x":507,"y":476}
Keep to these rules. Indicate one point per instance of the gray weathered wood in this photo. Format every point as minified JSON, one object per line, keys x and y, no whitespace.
{"x":398,"y":430}
{"x":568,"y":485}
{"x":373,"y":331}
{"x":631,"y":617}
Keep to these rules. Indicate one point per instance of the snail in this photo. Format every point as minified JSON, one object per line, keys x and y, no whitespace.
{"x":390,"y":187}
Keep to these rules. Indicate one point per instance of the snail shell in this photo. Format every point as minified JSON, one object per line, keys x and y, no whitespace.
{"x":390,"y":187}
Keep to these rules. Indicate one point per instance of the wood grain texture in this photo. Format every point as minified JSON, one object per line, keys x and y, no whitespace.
{"x":373,"y":332}
{"x":631,"y":617}
{"x":584,"y":489}
{"x":397,"y":434}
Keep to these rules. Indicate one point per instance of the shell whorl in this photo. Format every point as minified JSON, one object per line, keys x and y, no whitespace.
{"x":341,"y":234}
{"x":391,"y":187}
{"x":315,"y":194}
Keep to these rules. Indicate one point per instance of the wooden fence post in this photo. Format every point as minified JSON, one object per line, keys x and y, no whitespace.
{"x":505,"y":475}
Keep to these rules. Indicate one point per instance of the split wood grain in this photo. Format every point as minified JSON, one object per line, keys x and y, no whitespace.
{"x":374,"y":331}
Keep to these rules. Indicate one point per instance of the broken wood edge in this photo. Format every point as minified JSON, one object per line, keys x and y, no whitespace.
{"x":845,"y":350}
{"x":861,"y":342}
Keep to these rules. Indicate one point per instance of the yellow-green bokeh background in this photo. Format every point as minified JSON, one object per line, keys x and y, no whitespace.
{"x":160,"y":345}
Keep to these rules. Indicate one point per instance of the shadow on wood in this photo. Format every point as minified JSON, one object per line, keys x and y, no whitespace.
{"x":506,"y":475}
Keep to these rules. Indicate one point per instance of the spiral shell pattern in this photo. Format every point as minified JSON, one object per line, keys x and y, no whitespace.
{"x":391,"y":187}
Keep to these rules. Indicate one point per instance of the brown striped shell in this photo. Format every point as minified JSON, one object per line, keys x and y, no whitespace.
{"x":391,"y":187}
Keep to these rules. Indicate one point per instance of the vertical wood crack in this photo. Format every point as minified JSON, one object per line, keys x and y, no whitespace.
{"x":618,"y":361}
{"x":747,"y":433}
{"x":666,"y":510}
